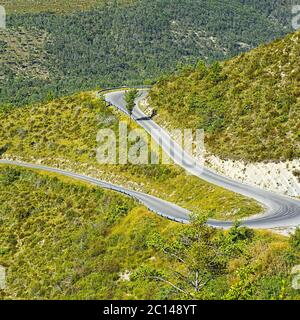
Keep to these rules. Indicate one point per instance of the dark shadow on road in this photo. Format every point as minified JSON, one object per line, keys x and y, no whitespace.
{"x":143,"y":119}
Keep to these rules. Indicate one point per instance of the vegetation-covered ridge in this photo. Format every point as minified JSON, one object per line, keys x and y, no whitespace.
{"x":115,"y":44}
{"x":62,"y":239}
{"x":57,"y":6}
{"x":63,"y":133}
{"x":249,"y":106}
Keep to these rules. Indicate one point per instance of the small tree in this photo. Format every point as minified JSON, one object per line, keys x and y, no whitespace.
{"x":295,"y":240}
{"x":215,"y":73}
{"x":293,"y":252}
{"x":154,"y":113}
{"x":201,"y":69}
{"x":130,"y":97}
{"x":197,"y":250}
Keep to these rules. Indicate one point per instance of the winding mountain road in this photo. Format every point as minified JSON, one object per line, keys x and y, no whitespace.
{"x":161,"y":207}
{"x":281,"y":211}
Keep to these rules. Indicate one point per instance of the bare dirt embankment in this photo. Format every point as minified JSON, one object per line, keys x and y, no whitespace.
{"x":280,"y":177}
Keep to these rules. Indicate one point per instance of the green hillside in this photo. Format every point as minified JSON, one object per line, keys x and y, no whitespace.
{"x":66,"y":239}
{"x":57,"y":6}
{"x":276,"y":10}
{"x":60,"y":239}
{"x":106,"y":43}
{"x":249,"y":106}
{"x":63,"y":133}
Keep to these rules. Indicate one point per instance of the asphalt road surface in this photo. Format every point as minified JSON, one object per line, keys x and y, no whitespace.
{"x":161,"y":207}
{"x":280,"y":211}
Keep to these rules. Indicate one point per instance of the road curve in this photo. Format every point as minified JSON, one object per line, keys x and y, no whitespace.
{"x":281,"y":211}
{"x":159,"y":206}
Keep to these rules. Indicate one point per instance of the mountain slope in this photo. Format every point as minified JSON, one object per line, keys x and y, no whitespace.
{"x":58,"y":6}
{"x":276,"y":10}
{"x":60,"y":239}
{"x":63,"y":133}
{"x":115,"y":44}
{"x":249,"y":106}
